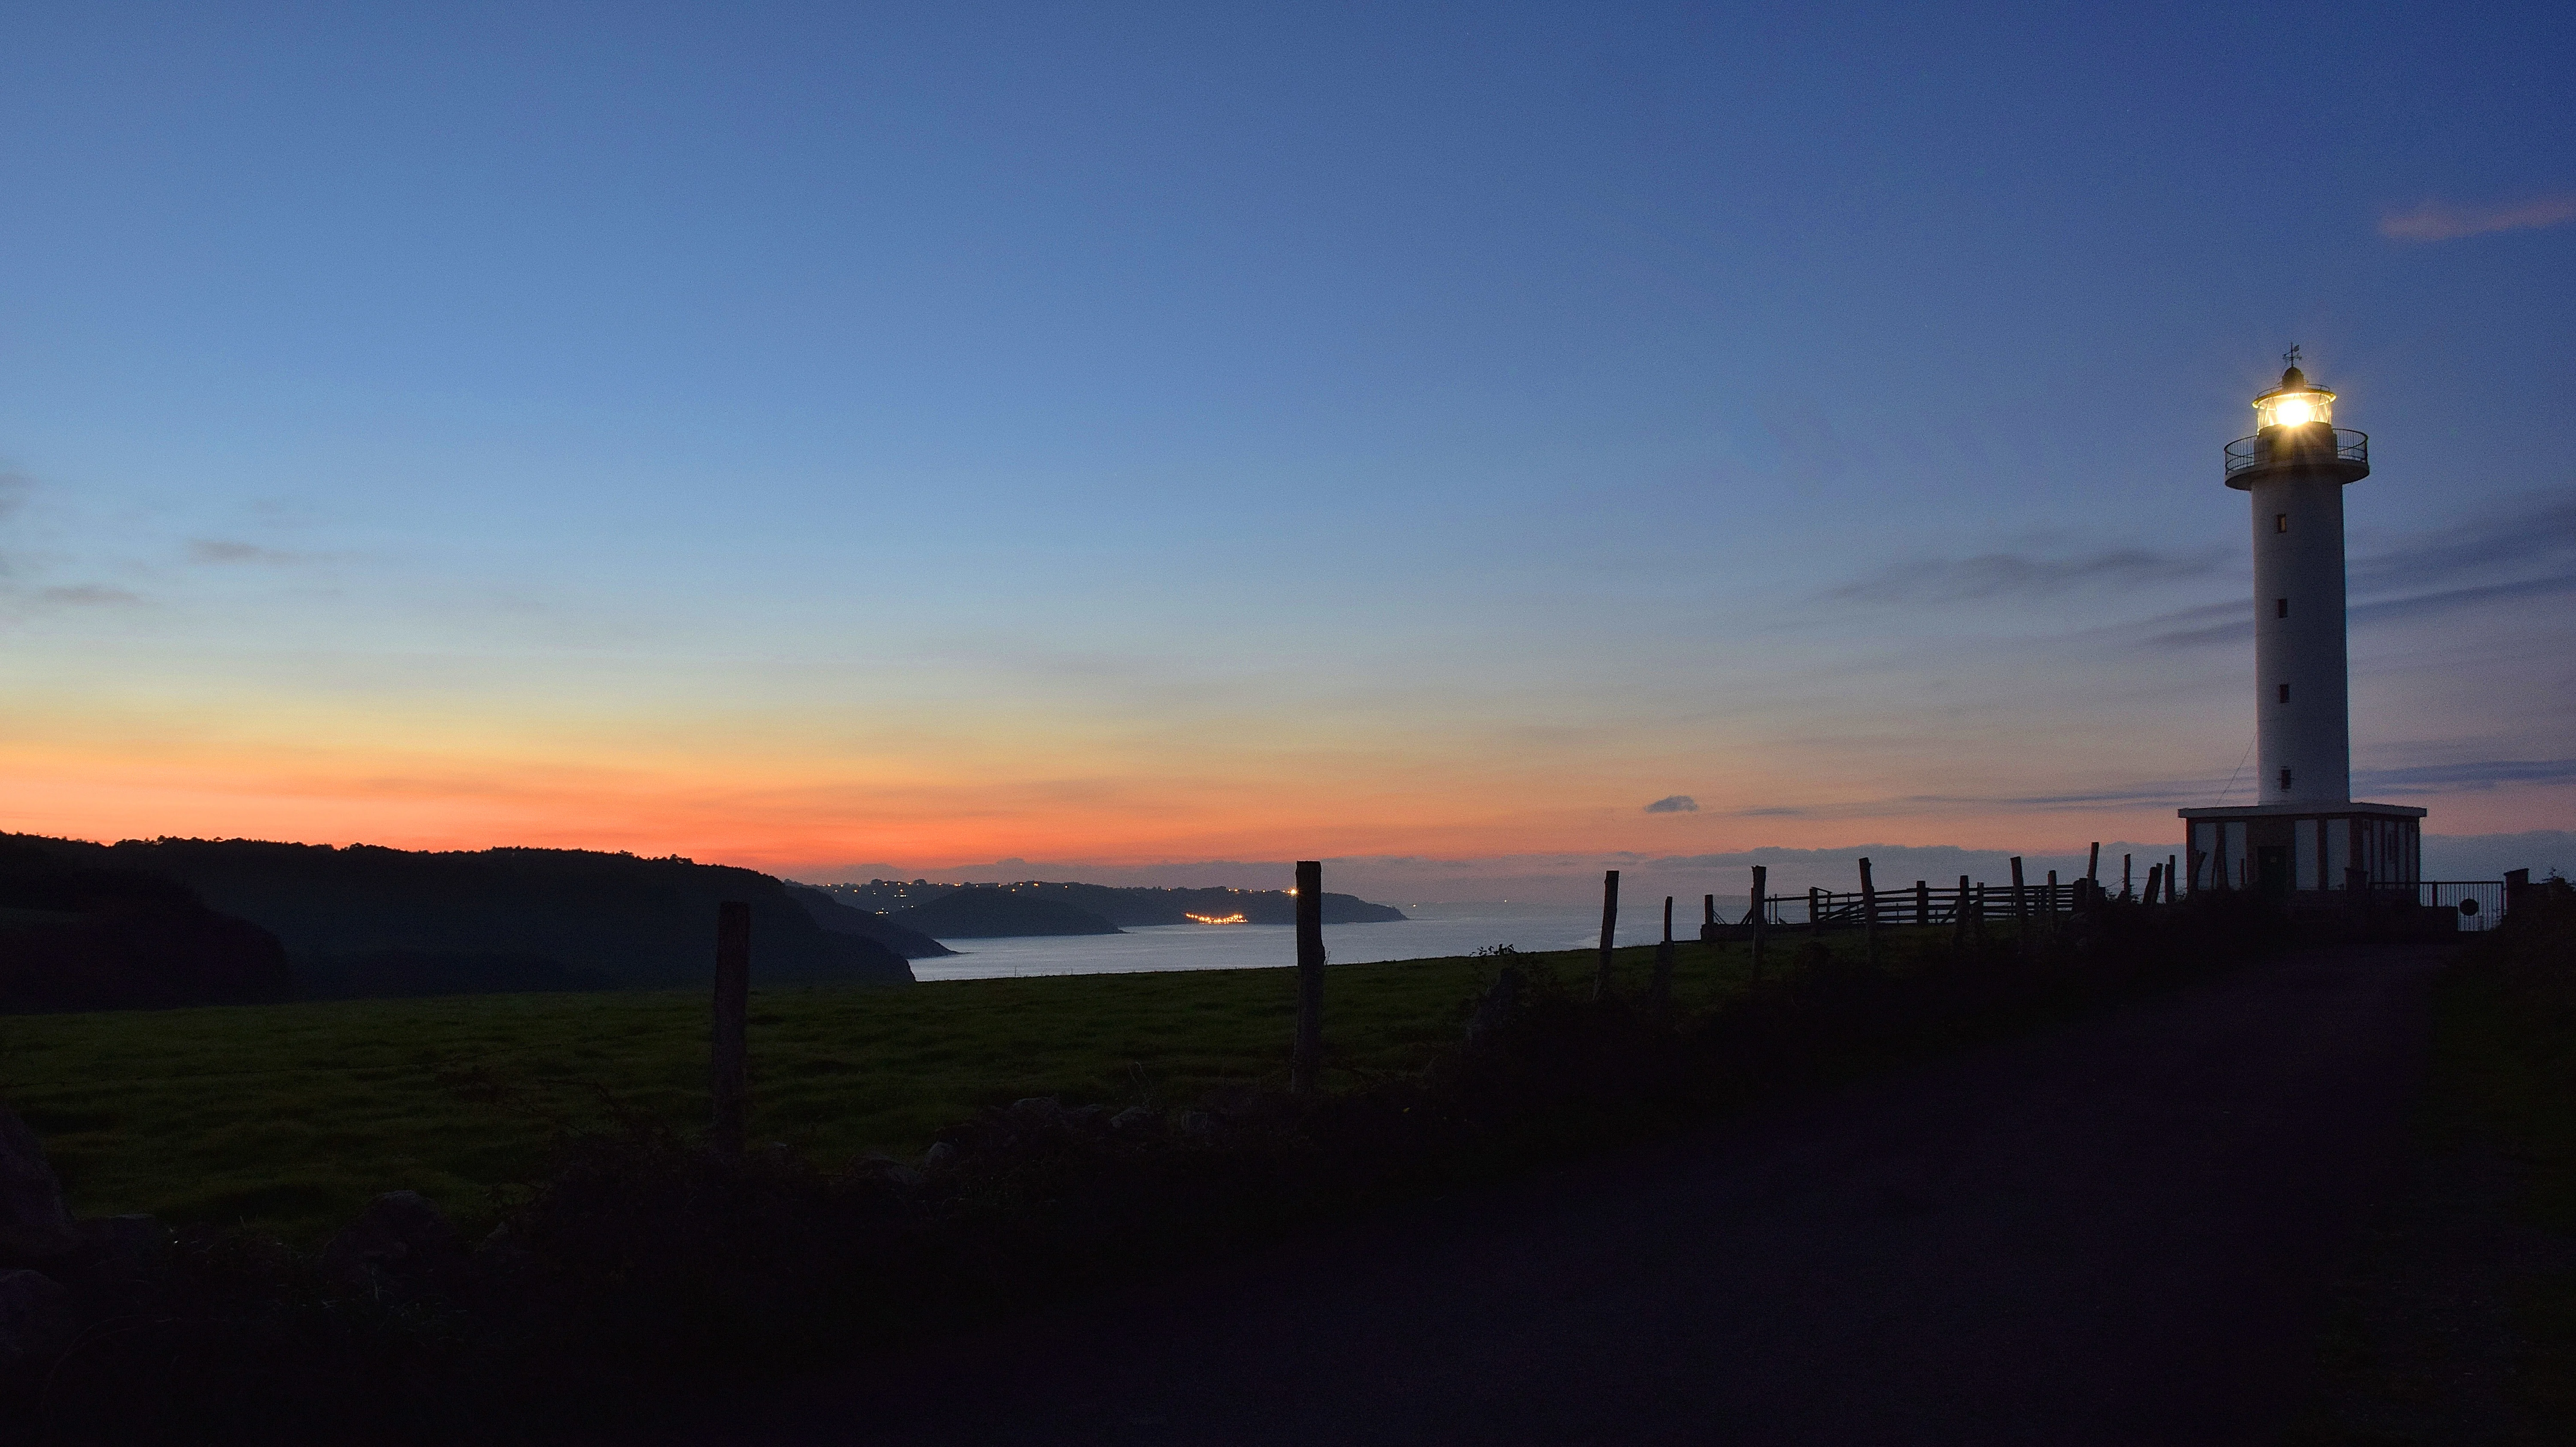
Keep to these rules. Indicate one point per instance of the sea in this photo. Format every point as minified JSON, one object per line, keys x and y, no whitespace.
{"x":1429,"y":931}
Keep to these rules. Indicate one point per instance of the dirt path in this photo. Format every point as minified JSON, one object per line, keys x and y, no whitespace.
{"x":2114,"y":1231}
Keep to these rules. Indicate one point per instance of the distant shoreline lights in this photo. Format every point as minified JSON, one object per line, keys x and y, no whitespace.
{"x":1213,"y":918}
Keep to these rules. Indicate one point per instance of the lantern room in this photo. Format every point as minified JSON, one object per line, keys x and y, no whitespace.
{"x":2295,"y":403}
{"x":2295,"y":439}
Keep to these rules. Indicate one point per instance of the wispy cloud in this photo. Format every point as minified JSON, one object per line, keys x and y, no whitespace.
{"x":14,"y":487}
{"x":2024,"y":575}
{"x":1674,"y":804}
{"x":226,"y":552}
{"x":2535,"y":530}
{"x":2442,"y":221}
{"x":2435,"y":571}
{"x":2478,"y":774}
{"x":2417,"y":605}
{"x":86,"y":595}
{"x":2235,"y":630}
{"x":1810,"y":452}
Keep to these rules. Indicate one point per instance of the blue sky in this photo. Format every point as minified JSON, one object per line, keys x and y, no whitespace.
{"x":1136,"y":435}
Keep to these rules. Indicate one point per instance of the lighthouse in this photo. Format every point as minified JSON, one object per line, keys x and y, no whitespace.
{"x":2304,"y":834}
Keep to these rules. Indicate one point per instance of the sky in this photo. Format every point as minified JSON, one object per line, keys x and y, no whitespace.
{"x":1469,"y":443}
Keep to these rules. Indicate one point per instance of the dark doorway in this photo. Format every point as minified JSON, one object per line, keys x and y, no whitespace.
{"x":2272,"y":868}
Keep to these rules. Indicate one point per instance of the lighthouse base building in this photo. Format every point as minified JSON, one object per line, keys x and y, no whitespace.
{"x":2307,"y":836}
{"x":2291,"y":849}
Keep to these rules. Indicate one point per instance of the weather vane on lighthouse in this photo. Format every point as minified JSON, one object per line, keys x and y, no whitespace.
{"x":2307,"y":836}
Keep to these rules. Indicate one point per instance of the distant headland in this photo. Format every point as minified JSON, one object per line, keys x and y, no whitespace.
{"x":1040,"y":907}
{"x":168,"y":922}
{"x":172,"y":922}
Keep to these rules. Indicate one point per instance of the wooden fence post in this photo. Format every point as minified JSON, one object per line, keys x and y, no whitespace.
{"x":1959,"y":915}
{"x":1815,"y":911}
{"x":1922,"y":902}
{"x":1868,"y":915}
{"x":1306,"y":1068}
{"x":1708,"y":920}
{"x":1609,"y":928}
{"x":732,"y":1075}
{"x":2172,"y":879}
{"x":1760,"y":913}
{"x":2093,"y":865}
{"x":1663,"y":987}
{"x":2021,"y":908}
{"x":2155,"y":877}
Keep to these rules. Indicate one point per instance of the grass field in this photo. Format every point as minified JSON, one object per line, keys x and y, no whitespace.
{"x":290,"y":1117}
{"x":2504,"y":1071}
{"x":2455,"y":1320}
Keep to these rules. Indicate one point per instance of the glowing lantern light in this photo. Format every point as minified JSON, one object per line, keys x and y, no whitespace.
{"x":2293,"y":404}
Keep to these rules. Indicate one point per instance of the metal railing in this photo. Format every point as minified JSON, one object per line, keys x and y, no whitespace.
{"x":2478,"y":902}
{"x":2247,"y":452}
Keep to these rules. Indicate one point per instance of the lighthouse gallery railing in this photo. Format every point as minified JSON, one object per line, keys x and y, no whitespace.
{"x":2350,"y":446}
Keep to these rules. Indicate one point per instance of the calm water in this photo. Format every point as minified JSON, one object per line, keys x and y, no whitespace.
{"x":1433,"y":931}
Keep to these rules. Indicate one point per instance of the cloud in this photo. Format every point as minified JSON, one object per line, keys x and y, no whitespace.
{"x":87,"y":595}
{"x":14,"y":487}
{"x":224,"y":552}
{"x":2430,"y":572}
{"x":1574,"y":879}
{"x":2238,"y":631}
{"x":1792,"y":870}
{"x":2477,"y":775}
{"x":1674,"y":804}
{"x":1998,"y":575}
{"x":2155,"y":793}
{"x":2534,"y":530}
{"x":2448,"y":598}
{"x":2442,"y":221}
{"x":1810,"y":452}
{"x":2488,"y":856}
{"x":853,"y":873}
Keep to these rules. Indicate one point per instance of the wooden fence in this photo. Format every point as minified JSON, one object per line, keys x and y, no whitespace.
{"x":1923,"y":904}
{"x":1818,"y":909}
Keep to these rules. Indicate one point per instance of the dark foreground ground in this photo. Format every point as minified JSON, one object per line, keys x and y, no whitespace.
{"x":2118,"y":1230}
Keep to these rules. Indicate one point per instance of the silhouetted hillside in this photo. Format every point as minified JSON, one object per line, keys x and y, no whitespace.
{"x":990,"y":912}
{"x":377,"y":974}
{"x":1128,"y":907}
{"x":374,"y":921}
{"x":846,"y":919}
{"x":80,"y":937}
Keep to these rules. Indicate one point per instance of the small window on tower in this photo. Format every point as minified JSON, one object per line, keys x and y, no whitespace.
{"x":2280,"y":607}
{"x":2280,"y":522}
{"x":2285,"y":693}
{"x":2285,"y":781}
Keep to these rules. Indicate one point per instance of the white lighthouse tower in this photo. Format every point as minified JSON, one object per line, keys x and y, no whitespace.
{"x":2304,"y":834}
